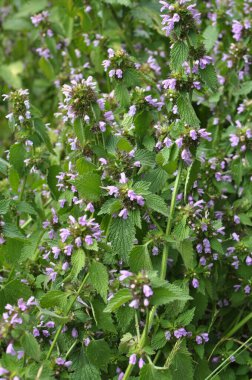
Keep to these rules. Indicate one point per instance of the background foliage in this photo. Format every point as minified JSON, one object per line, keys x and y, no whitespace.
{"x":125,"y":177}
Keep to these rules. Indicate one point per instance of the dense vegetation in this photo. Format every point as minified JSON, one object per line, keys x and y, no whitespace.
{"x":126,"y":194}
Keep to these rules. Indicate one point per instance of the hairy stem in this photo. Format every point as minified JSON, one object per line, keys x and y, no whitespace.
{"x":150,"y":316}
{"x":67,"y":312}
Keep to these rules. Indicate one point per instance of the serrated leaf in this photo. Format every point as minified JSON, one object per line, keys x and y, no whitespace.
{"x":78,"y":262}
{"x":124,"y":317}
{"x":210,"y":36}
{"x":139,"y":259}
{"x":179,"y":54}
{"x":122,"y":94}
{"x":169,"y":293}
{"x":31,"y":245}
{"x":4,"y":206}
{"x":156,"y":203}
{"x":47,"y":68}
{"x":31,"y":346}
{"x":186,"y":111}
{"x":157,"y":178}
{"x":98,"y":277}
{"x":89,"y":186}
{"x":121,"y":235}
{"x":158,"y":341}
{"x":54,"y":298}
{"x":84,"y":166}
{"x":208,"y":75}
{"x":182,"y":365}
{"x":12,"y":231}
{"x":149,"y":372}
{"x":12,"y":291}
{"x":98,"y":353}
{"x":83,"y":369}
{"x":17,"y":157}
{"x":110,"y":206}
{"x":120,"y":298}
{"x":185,"y":318}
{"x":245,"y":88}
{"x":104,"y":320}
{"x":25,"y":208}
{"x":146,"y":157}
{"x":186,"y":250}
{"x":42,"y":132}
{"x":192,"y":174}
{"x":52,"y":181}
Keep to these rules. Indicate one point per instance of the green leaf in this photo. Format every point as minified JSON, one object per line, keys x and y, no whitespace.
{"x":210,"y":36}
{"x":42,"y":132}
{"x":12,"y":291}
{"x":140,"y":259}
{"x":83,"y":369}
{"x":186,"y":111}
{"x":104,"y":320}
{"x":149,"y":372}
{"x":10,"y":74}
{"x":12,"y":231}
{"x":146,"y":157}
{"x":208,"y":75}
{"x":31,"y":346}
{"x":124,"y":317}
{"x":4,"y":206}
{"x":120,"y":298}
{"x":179,"y":54}
{"x":98,"y":276}
{"x":14,"y":179}
{"x":31,"y":7}
{"x":111,"y":206}
{"x":98,"y":353}
{"x":185,"y":248}
{"x":31,"y":245}
{"x":17,"y":157}
{"x":121,"y":235}
{"x":24,"y":207}
{"x":47,"y":68}
{"x":157,"y":178}
{"x":169,"y":294}
{"x":156,"y":203}
{"x":124,"y":145}
{"x":84,"y":166}
{"x":54,"y":298}
{"x":52,"y":181}
{"x":192,"y":175}
{"x":158,"y":341}
{"x":182,"y":365}
{"x":185,"y":318}
{"x":89,"y":186}
{"x":80,"y":131}
{"x":78,"y":262}
{"x":245,"y":88}
{"x":122,"y":94}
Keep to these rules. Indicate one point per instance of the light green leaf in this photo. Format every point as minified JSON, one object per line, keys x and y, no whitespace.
{"x":179,"y":54}
{"x":208,"y":75}
{"x":156,"y":203}
{"x":186,"y":111}
{"x":31,"y":346}
{"x":169,"y":294}
{"x":140,"y":259}
{"x":98,"y":277}
{"x":98,"y":353}
{"x":120,"y":298}
{"x":89,"y":186}
{"x":121,"y":235}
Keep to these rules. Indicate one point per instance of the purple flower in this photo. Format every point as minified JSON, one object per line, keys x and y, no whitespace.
{"x":237,"y":30}
{"x":134,"y":304}
{"x":87,"y":341}
{"x":74,"y":333}
{"x":132,"y":110}
{"x":193,"y":134}
{"x":167,"y":335}
{"x":237,"y":219}
{"x":36,"y":332}
{"x":133,"y":359}
{"x":195,"y":283}
{"x":64,"y":234}
{"x":170,"y":84}
{"x":199,"y":339}
{"x":141,"y":363}
{"x":204,"y":134}
{"x":234,"y":140}
{"x":124,"y":274}
{"x":10,"y":350}
{"x":148,"y":292}
{"x":168,"y":142}
{"x":123,"y":213}
{"x":180,"y":333}
{"x":247,"y":289}
{"x":179,"y":142}
{"x":186,"y":156}
{"x":248,"y":260}
{"x":89,"y":240}
{"x":3,"y":371}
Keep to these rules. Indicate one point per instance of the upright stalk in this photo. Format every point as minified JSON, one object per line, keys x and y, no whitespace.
{"x":170,"y":220}
{"x":150,"y":316}
{"x":67,"y":312}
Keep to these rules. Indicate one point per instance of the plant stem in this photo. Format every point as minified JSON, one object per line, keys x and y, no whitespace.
{"x":67,"y":312}
{"x":150,"y":316}
{"x":227,"y":361}
{"x":170,"y":220}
